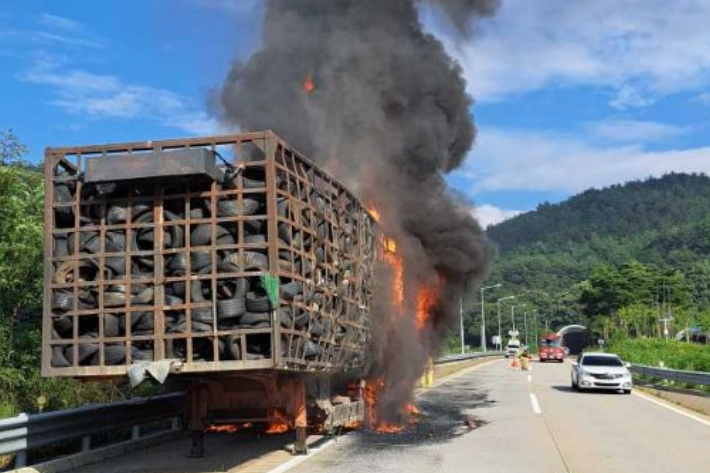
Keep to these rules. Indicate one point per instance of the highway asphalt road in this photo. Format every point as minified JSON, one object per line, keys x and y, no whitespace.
{"x":528,"y":422}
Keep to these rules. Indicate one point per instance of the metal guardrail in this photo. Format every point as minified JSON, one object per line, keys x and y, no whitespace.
{"x":468,"y":356}
{"x":698,"y":378}
{"x":28,"y":431}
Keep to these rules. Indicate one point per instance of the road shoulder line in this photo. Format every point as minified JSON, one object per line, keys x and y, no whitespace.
{"x":671,"y":407}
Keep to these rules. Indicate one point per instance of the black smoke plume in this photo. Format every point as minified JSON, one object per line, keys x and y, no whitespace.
{"x":362,"y":89}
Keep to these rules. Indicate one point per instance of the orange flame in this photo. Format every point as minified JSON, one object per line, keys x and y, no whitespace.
{"x":426,"y":299}
{"x":308,"y":85}
{"x":374,"y":213}
{"x":229,"y":428}
{"x":278,"y":423}
{"x":373,"y":420}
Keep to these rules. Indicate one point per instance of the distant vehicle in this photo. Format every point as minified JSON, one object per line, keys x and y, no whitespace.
{"x":601,"y":371}
{"x":513,"y":348}
{"x":551,"y":348}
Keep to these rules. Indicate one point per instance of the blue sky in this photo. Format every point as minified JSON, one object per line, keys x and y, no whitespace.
{"x":569,"y":95}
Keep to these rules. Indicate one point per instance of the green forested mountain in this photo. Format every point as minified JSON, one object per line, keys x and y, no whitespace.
{"x":628,"y":243}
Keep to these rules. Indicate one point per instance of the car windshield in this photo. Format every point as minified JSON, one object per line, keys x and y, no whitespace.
{"x":601,"y":361}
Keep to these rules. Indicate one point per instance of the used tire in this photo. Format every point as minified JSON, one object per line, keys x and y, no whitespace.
{"x":258,"y":302}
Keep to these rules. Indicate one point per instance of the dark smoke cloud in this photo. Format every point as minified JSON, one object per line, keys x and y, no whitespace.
{"x":389,"y":116}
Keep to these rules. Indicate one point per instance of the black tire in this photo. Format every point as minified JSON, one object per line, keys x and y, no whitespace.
{"x":286,"y":317}
{"x":254,"y":261}
{"x":63,"y":326}
{"x":255,"y":239}
{"x":253,"y":318}
{"x":173,"y":300}
{"x":143,"y":296}
{"x":201,"y":260}
{"x":257,"y":302}
{"x":114,"y":354}
{"x":62,"y":301}
{"x":177,"y":263}
{"x":201,"y":235}
{"x":290,"y":290}
{"x":111,"y":326}
{"x":233,"y":347}
{"x":117,"y":213}
{"x":231,"y":308}
{"x":144,"y":321}
{"x":627,"y":391}
{"x":58,"y":358}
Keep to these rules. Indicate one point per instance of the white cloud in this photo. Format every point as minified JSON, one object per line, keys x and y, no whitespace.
{"x":542,"y":161}
{"x":60,"y":22}
{"x":488,"y":215}
{"x":107,"y":97}
{"x":639,"y":49}
{"x":634,"y":131}
{"x":63,"y":31}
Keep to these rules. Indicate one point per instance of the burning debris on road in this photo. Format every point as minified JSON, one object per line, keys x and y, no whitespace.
{"x":384,"y":108}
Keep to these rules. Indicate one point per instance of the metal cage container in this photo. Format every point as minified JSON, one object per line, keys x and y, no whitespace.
{"x":222,"y":253}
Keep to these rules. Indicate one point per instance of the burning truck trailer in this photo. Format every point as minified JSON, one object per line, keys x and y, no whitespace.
{"x":231,"y":265}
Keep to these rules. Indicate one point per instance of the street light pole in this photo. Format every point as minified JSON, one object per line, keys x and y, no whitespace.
{"x":463,"y":345}
{"x":512,"y":313}
{"x":484,"y":348}
{"x":500,"y":335}
{"x":525,"y":323}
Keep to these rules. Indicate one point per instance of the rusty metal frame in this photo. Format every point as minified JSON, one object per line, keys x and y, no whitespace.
{"x":335,"y":270}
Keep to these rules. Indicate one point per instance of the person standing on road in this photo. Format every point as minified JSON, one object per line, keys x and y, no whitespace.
{"x":524,"y":359}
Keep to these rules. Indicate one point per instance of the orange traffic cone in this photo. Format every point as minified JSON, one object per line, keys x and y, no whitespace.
{"x":514,"y":363}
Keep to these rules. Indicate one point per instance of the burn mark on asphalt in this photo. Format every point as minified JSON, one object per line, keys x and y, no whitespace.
{"x":443,"y":418}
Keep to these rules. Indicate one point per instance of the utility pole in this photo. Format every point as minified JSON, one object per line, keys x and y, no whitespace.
{"x":484,"y":348}
{"x":525,"y":323}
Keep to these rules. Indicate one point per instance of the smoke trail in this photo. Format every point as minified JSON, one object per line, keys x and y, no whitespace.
{"x":389,"y":116}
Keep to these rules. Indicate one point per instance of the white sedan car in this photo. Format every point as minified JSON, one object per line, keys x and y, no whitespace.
{"x":601,"y":371}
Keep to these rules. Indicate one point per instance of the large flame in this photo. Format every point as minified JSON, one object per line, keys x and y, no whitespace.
{"x":426,"y":300}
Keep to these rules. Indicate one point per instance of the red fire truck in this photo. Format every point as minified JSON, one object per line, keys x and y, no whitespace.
{"x":551,"y":348}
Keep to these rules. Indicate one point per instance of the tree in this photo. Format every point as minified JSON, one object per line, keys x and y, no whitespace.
{"x":11,"y":149}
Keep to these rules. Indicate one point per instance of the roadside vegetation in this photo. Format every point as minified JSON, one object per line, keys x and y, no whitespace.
{"x":618,"y":260}
{"x":21,"y":269}
{"x":656,"y":352}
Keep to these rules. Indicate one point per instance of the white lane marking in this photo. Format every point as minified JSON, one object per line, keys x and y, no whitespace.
{"x":671,"y":408}
{"x":529,"y":378}
{"x":295,"y":461}
{"x":535,"y":404}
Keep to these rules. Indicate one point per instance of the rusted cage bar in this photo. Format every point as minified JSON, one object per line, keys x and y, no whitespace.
{"x":264,"y":261}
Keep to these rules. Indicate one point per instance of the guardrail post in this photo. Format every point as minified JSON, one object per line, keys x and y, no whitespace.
{"x":135,"y":432}
{"x":20,"y":458}
{"x":86,"y":444}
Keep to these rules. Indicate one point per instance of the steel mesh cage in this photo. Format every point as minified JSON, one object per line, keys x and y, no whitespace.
{"x":269,"y":266}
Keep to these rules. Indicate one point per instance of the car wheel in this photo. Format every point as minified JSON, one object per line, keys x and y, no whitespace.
{"x":574,"y":386}
{"x":627,"y":391}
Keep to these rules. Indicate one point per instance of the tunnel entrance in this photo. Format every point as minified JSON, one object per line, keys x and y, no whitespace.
{"x":575,"y":337}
